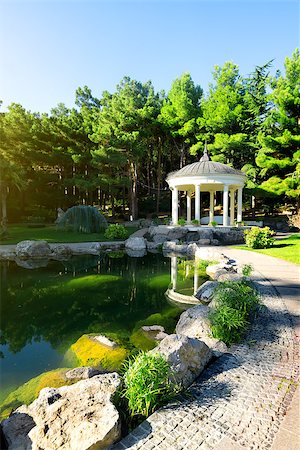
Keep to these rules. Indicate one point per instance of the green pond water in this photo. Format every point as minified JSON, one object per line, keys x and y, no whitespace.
{"x":45,"y":310}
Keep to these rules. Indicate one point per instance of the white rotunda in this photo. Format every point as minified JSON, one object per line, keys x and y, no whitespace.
{"x":208,"y":176}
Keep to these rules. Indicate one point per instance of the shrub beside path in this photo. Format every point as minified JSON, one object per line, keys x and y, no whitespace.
{"x":248,"y":398}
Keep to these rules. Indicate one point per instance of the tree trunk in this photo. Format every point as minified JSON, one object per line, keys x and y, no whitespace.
{"x":4,"y":211}
{"x":133,"y":193}
{"x":158,"y":177}
{"x":112,"y":205}
{"x":182,"y":156}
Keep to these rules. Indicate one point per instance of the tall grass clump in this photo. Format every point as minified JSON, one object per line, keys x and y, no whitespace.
{"x":84,"y":219}
{"x":234,"y":302}
{"x":147,"y":383}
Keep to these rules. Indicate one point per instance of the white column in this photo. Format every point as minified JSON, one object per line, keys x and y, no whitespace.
{"x":225,"y":206}
{"x":232,"y":206}
{"x":197,"y":202}
{"x":188,"y":207}
{"x":239,"y":204}
{"x":196,"y":280}
{"x":174,"y":272}
{"x":211,"y":206}
{"x":175,"y":206}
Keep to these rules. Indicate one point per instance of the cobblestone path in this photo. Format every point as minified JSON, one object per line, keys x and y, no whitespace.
{"x":240,"y":399}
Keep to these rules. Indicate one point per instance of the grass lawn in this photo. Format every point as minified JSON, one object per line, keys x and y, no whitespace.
{"x":50,"y":233}
{"x":287,"y":249}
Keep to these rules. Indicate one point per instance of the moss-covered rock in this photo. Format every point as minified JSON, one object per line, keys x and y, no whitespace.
{"x":88,"y":351}
{"x":141,"y":341}
{"x":167,"y":319}
{"x":29,"y":391}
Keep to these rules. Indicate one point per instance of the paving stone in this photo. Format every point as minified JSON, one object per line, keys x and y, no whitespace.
{"x":241,"y":399}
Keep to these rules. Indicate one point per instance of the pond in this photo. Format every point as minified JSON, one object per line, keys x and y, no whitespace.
{"x":46,"y":310}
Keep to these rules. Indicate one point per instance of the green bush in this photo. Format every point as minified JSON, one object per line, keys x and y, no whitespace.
{"x":235,"y":301}
{"x":181,"y":221}
{"x":247,"y":270}
{"x":195,"y":222}
{"x":213,"y":223}
{"x":259,"y":237}
{"x":147,"y":383}
{"x":116,"y":231}
{"x":84,"y":219}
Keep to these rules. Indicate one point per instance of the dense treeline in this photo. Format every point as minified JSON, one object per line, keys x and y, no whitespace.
{"x":115,"y":151}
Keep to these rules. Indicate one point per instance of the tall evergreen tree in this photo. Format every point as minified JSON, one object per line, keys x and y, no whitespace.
{"x":279,"y":154}
{"x":179,"y":113}
{"x":122,"y":128}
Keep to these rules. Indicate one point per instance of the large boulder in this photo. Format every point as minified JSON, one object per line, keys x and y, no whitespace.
{"x":230,"y":276}
{"x":215,"y":270}
{"x":135,"y":243}
{"x":33,"y":249}
{"x":195,"y":323}
{"x":206,"y":291}
{"x":174,"y":247}
{"x":61,"y":252}
{"x":187,"y":357}
{"x":77,"y":417}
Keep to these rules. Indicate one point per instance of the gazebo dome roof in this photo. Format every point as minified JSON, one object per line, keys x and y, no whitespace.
{"x":204,"y":167}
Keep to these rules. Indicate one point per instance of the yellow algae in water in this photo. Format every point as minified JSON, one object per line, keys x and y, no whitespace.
{"x":91,"y":281}
{"x":90,"y":352}
{"x":29,"y":391}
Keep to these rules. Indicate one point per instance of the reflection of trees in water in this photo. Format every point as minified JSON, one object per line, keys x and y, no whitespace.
{"x":107,"y":295}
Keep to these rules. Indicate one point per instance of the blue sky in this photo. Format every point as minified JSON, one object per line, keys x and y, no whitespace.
{"x":49,"y":48}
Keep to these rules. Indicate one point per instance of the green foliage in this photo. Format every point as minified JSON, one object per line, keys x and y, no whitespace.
{"x":116,"y":231}
{"x":213,"y":223}
{"x":286,"y":249}
{"x":235,"y":301}
{"x":195,"y":222}
{"x":50,"y":233}
{"x":259,"y":237}
{"x":84,"y":219}
{"x":181,"y":221}
{"x":147,"y":384}
{"x":228,"y":323}
{"x":247,"y":270}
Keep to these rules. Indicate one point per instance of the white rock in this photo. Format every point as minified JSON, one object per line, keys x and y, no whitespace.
{"x":104,"y":340}
{"x":194,"y":322}
{"x":61,"y":251}
{"x":186,"y":356}
{"x":135,"y":243}
{"x":33,"y":249}
{"x":77,"y":417}
{"x":81,"y":373}
{"x":215,"y":270}
{"x":157,"y":328}
{"x":206,"y":291}
{"x":230,"y":276}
